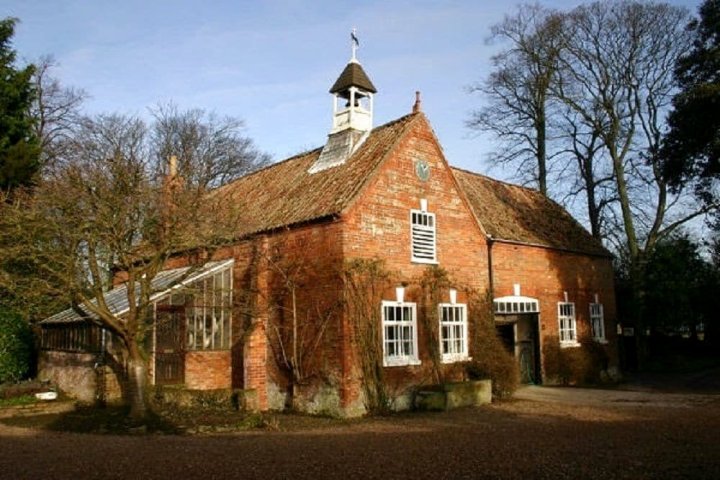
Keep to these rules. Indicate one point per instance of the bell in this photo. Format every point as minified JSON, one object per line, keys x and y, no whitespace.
{"x":346,"y":95}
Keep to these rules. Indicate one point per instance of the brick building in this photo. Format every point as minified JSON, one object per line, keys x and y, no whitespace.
{"x":373,"y":232}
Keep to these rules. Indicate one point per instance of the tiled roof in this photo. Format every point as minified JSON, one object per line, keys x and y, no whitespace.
{"x":353,"y":76}
{"x":518,"y":214}
{"x":285,"y":193}
{"x":162,"y":285}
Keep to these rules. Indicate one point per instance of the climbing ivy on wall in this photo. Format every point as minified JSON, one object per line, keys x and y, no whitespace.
{"x":434,"y":283}
{"x":365,"y":282}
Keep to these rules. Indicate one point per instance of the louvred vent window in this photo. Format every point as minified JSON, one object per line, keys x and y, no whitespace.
{"x":423,"y":237}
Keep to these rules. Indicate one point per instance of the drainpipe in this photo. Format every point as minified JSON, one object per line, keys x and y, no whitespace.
{"x":491,"y":282}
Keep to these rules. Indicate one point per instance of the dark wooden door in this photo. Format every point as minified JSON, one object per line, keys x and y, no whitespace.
{"x":169,"y":345}
{"x":529,"y":351}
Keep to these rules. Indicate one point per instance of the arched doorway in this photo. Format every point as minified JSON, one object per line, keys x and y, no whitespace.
{"x":517,"y":324}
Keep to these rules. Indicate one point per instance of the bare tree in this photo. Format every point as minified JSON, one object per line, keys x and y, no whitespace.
{"x":518,"y":92}
{"x":56,"y":111}
{"x":616,"y":75}
{"x":584,"y":175}
{"x":606,"y":100}
{"x":53,"y":112}
{"x":103,"y":210}
{"x":201,"y":138}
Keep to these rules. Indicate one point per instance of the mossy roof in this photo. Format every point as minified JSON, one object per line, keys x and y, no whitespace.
{"x":285,"y":194}
{"x":518,"y":214}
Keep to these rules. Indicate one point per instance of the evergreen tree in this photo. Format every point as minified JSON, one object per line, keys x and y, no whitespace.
{"x":691,"y":149}
{"x":19,"y":149}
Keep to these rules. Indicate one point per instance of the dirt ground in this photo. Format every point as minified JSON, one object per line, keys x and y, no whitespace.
{"x":544,"y":433}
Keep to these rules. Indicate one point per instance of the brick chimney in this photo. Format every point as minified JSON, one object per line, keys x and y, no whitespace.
{"x":416,"y":107}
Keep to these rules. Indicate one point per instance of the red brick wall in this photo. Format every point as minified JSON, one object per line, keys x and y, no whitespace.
{"x":248,"y":349}
{"x":207,"y":370}
{"x":378,"y":226}
{"x":310,"y":257}
{"x":546,"y":274}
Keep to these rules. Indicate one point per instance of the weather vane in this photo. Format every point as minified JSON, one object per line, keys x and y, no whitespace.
{"x":354,"y":42}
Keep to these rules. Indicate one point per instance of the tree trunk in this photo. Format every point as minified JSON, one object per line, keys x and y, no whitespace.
{"x":637,"y":282}
{"x":541,"y":133}
{"x":593,"y":214}
{"x":137,"y":382}
{"x":592,"y":206}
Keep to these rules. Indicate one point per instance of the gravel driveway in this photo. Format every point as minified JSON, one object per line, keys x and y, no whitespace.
{"x":541,"y":437}
{"x":610,"y":397}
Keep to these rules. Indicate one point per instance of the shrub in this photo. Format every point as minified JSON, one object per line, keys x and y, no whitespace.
{"x":501,"y":368}
{"x":575,"y":365}
{"x":490,"y":357}
{"x":15,"y":347}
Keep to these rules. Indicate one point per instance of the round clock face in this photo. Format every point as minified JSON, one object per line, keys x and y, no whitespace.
{"x":422,"y":170}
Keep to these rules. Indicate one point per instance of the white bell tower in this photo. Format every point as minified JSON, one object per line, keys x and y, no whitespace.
{"x":352,"y":113}
{"x":352,"y":95}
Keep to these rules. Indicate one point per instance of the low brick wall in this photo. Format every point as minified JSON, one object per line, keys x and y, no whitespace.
{"x":220,"y":398}
{"x":40,"y":408}
{"x":454,"y":395}
{"x":77,"y":375}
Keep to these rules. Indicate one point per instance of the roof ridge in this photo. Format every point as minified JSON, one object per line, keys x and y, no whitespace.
{"x":308,"y":152}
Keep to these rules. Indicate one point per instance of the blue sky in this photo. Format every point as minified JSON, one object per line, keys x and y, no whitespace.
{"x":271,"y":63}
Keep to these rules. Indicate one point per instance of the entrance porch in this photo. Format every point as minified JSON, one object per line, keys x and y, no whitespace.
{"x":518,"y":325}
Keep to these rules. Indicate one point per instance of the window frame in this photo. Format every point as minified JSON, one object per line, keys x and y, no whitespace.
{"x":572,"y":327}
{"x":406,"y":359}
{"x":599,"y":317}
{"x":423,"y":237}
{"x":462,"y":355}
{"x":209,"y":313}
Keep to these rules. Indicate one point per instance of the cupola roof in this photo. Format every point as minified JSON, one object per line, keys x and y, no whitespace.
{"x":353,"y":76}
